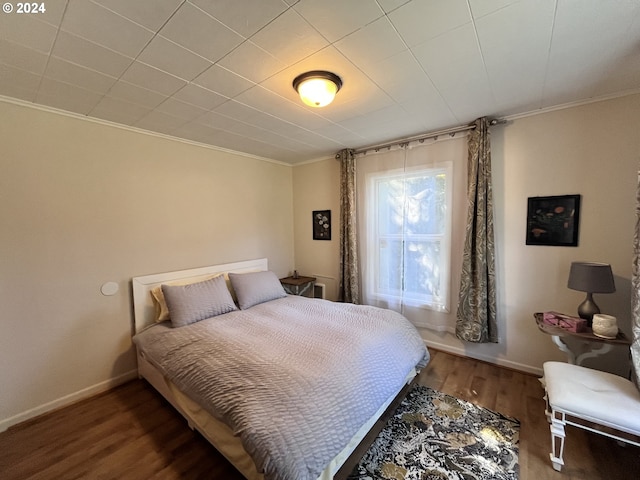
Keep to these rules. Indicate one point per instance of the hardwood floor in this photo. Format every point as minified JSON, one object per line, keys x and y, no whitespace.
{"x":132,"y":433}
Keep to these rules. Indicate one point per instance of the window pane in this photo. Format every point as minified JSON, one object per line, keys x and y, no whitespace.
{"x":422,"y":270}
{"x":389,"y":266}
{"x":390,"y":206}
{"x":425,"y":205}
{"x":414,"y":205}
{"x":412,"y":222}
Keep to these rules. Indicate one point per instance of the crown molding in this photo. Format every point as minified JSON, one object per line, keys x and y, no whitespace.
{"x":100,"y":121}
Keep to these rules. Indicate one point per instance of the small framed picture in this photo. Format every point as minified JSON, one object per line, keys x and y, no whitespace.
{"x":321,"y":224}
{"x":553,"y":220}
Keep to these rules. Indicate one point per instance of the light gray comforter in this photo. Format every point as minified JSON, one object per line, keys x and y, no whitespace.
{"x":295,"y":378}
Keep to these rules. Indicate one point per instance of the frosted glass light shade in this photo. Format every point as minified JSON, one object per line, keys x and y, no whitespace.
{"x":317,"y":88}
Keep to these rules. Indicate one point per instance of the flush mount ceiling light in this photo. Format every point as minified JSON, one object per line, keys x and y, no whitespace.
{"x":317,"y":88}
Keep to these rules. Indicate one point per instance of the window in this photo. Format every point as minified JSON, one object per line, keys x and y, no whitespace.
{"x":408,"y":236}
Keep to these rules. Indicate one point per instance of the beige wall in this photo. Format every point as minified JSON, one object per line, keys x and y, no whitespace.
{"x":83,"y":203}
{"x":593,"y":150}
{"x":316,"y":186}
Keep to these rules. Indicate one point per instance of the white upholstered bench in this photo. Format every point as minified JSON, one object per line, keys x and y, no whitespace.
{"x":575,"y":393}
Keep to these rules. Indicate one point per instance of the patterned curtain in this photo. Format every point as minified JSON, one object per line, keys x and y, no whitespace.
{"x":635,"y":293}
{"x":476,"y":317}
{"x":348,"y":288}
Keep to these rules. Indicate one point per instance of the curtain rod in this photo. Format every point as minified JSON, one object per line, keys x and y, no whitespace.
{"x":447,"y":131}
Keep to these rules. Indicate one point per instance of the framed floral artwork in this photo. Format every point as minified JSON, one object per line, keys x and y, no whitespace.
{"x":321,"y":224}
{"x":553,"y":220}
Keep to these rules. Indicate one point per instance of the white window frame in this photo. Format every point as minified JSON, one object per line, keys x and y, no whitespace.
{"x":440,"y":304}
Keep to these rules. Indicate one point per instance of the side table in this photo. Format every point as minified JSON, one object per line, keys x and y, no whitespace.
{"x":299,"y":285}
{"x":597,"y":345}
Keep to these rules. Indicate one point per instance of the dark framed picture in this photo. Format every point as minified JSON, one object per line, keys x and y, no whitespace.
{"x":553,"y":220}
{"x":321,"y":224}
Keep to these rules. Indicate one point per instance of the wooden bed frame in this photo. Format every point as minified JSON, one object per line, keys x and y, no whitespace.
{"x":216,"y":432}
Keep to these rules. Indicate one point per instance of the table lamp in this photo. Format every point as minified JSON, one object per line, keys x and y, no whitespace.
{"x":592,"y":278}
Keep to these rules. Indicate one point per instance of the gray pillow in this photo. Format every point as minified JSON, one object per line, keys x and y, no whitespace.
{"x":256,"y":287}
{"x":197,"y":301}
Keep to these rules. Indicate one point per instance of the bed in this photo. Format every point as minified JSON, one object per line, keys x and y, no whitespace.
{"x":283,"y":386}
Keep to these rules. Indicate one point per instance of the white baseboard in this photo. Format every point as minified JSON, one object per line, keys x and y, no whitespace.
{"x":68,"y":399}
{"x":496,"y":361}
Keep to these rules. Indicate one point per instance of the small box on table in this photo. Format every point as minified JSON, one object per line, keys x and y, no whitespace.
{"x":569,"y":323}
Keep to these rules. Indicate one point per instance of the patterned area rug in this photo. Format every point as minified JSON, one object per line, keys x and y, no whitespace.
{"x":433,"y":436}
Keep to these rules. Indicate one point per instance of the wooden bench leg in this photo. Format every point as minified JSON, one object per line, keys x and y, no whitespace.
{"x":557,"y":439}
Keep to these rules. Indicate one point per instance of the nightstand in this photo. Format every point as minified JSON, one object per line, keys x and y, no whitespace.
{"x":299,"y":286}
{"x":594,"y":345}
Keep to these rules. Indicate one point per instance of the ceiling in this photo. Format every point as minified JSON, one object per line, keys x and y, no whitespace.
{"x":219,"y":72}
